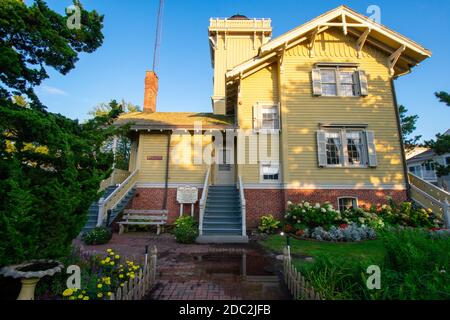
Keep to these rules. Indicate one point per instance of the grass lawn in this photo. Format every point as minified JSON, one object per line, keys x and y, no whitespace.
{"x":372,"y":249}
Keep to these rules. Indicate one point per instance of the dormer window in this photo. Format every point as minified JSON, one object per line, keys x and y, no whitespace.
{"x":339,"y":81}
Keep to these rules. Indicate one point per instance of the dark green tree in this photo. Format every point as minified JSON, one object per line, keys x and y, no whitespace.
{"x":442,"y":143}
{"x":443,"y":97}
{"x":408,"y":127}
{"x":50,"y":166}
{"x":121,"y":144}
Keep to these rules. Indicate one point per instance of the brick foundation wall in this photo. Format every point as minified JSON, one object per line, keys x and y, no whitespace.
{"x":263,"y":201}
{"x":365,"y":197}
{"x":152,"y":199}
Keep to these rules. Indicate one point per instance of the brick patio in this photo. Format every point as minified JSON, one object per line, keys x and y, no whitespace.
{"x":201,"y":272}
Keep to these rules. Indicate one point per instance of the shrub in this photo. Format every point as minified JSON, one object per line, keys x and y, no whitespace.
{"x":185,"y":230}
{"x":304,"y":215}
{"x":269,"y":224}
{"x":97,"y":236}
{"x":351,"y":233}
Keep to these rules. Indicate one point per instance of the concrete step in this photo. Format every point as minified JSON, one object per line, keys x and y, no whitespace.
{"x":222,"y":218}
{"x":223,"y":203}
{"x":222,"y":229}
{"x":222,"y":212}
{"x":222,"y":239}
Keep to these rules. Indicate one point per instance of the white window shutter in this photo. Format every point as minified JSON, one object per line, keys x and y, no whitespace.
{"x":371,"y":149}
{"x":279,"y":115}
{"x":322,"y":148}
{"x":257,"y":117}
{"x":316,"y":82}
{"x":363,"y":84}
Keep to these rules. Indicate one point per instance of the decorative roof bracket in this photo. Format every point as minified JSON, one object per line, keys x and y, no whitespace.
{"x":362,"y":41}
{"x":393,"y":59}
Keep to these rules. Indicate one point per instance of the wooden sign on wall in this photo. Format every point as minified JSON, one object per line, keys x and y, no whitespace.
{"x":155,"y":158}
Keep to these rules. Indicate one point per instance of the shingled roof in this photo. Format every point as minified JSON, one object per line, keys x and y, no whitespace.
{"x":175,"y":120}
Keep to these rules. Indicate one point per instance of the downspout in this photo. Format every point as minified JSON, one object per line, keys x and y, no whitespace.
{"x":166,"y":187}
{"x":402,"y":145}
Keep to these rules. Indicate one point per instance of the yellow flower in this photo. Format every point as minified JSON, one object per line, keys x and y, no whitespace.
{"x":67,"y":292}
{"x":112,"y":263}
{"x":99,"y":286}
{"x":72,"y":298}
{"x":112,"y":253}
{"x":107,"y":260}
{"x":121,"y":276}
{"x":109,"y":294}
{"x":100,"y":295}
{"x":135,"y":267}
{"x":117,"y":257}
{"x":86,"y":298}
{"x":109,"y":250}
{"x":80,"y":296}
{"x":122,"y":284}
{"x":102,"y":262}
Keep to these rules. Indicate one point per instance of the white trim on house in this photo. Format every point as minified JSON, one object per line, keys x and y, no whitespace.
{"x":262,"y":186}
{"x":147,"y":185}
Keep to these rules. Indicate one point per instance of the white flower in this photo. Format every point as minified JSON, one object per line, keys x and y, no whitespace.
{"x":298,"y":221}
{"x":307,"y":204}
{"x":317,"y":206}
{"x":303,"y":211}
{"x":289,"y":203}
{"x":294,"y":217}
{"x":323,"y":210}
{"x":443,"y":271}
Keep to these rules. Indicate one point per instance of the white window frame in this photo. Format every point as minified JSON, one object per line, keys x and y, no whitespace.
{"x":267,"y":108}
{"x":261,"y":173}
{"x":343,"y":150}
{"x":447,"y":161}
{"x":347,"y":197}
{"x":337,"y":71}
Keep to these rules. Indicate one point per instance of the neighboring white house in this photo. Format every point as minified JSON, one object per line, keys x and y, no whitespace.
{"x":421,"y":162}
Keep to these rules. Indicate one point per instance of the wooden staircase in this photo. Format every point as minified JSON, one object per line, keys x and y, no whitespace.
{"x":428,"y":195}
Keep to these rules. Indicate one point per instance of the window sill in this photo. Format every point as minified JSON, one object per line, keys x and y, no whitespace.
{"x":346,"y":167}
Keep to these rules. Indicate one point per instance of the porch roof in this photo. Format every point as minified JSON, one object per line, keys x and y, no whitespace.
{"x":175,"y":120}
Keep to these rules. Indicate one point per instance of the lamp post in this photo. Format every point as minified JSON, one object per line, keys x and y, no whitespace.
{"x":288,"y":242}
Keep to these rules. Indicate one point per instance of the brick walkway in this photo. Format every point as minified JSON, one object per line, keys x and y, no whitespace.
{"x":202,"y":272}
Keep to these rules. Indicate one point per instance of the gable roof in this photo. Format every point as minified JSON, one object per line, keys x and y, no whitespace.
{"x":353,"y":23}
{"x":174,"y":120}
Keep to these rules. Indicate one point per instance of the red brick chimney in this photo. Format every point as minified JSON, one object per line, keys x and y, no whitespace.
{"x":151,"y":92}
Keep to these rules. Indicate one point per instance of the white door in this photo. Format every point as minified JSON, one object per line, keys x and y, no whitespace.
{"x":225,"y":168}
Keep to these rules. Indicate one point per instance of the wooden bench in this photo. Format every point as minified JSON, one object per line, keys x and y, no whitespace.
{"x":156,"y":218}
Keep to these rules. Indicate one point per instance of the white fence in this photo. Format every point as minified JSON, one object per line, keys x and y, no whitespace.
{"x":137,"y":288}
{"x":296,"y":283}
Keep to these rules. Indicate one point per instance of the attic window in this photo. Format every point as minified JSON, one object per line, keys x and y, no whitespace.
{"x":339,"y":81}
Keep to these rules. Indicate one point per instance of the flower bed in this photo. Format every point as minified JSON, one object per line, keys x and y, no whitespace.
{"x":107,"y":274}
{"x":324,"y":223}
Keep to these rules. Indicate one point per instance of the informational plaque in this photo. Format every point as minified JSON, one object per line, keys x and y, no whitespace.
{"x":187,"y":195}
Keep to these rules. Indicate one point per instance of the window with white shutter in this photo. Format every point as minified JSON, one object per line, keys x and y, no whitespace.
{"x":342,"y":147}
{"x":266,"y":117}
{"x":339,"y":81}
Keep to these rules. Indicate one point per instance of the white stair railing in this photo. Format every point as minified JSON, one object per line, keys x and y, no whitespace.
{"x":203,"y":201}
{"x":243,"y":204}
{"x":428,"y":195}
{"x":114,"y":198}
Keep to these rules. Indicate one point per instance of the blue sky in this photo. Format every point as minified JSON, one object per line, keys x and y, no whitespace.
{"x":117,"y":69}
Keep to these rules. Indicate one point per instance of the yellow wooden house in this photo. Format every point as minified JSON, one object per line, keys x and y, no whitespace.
{"x":309,"y":115}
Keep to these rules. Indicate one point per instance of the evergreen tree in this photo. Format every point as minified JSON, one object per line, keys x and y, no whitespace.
{"x":408,"y":127}
{"x":50,"y":166}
